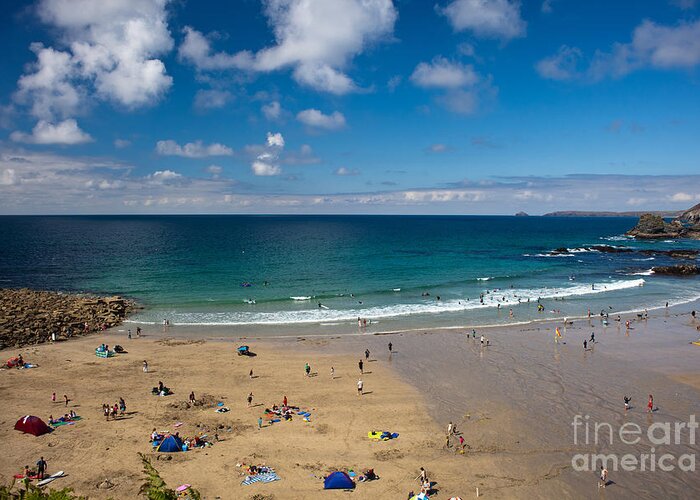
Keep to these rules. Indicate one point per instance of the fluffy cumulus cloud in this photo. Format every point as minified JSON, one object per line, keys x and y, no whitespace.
{"x":441,"y":73}
{"x":315,"y":38}
{"x":195,"y":149}
{"x":315,"y":118}
{"x":267,"y":162}
{"x":486,"y":18}
{"x":66,"y":132}
{"x":652,"y":46}
{"x":461,"y":85}
{"x":164,"y":177}
{"x":108,"y":50}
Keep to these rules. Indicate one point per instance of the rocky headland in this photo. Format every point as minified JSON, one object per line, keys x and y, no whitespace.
{"x":678,"y":270}
{"x":651,"y":226}
{"x":31,"y":316}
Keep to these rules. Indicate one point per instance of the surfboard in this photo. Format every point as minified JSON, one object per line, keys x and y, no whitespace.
{"x":697,"y":342}
{"x":51,"y":478}
{"x":324,"y":307}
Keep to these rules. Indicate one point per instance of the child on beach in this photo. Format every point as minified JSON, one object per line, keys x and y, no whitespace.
{"x":603,"y":477}
{"x":250,"y":399}
{"x":359,"y":387}
{"x":145,"y":366}
{"x":307,"y":369}
{"x":332,"y":372}
{"x":650,"y":404}
{"x":627,"y":402}
{"x":53,"y":397}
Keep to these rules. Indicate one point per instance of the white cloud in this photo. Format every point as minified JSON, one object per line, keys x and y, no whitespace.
{"x":275,"y":140}
{"x":344,"y":171}
{"x":653,"y":46}
{"x":272,"y":110}
{"x":196,"y":50}
{"x":262,"y":168}
{"x":214,"y":170}
{"x":164,"y":176}
{"x":315,"y":118}
{"x":441,"y":73}
{"x":684,"y":197}
{"x":486,"y":18}
{"x":317,"y":38}
{"x":66,"y":132}
{"x":561,"y":66}
{"x":305,"y":156}
{"x":195,"y":149}
{"x":212,"y":99}
{"x":8,"y":177}
{"x":122,"y":143}
{"x":267,"y":161}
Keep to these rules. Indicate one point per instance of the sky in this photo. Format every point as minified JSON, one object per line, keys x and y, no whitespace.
{"x":349,"y":106}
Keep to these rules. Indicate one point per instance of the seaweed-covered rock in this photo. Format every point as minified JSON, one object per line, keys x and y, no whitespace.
{"x":678,"y":270}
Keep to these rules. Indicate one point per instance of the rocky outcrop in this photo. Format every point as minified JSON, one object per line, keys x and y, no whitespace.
{"x":652,"y":226}
{"x":691,"y":216}
{"x":522,"y":214}
{"x":678,"y":270}
{"x":31,"y":317}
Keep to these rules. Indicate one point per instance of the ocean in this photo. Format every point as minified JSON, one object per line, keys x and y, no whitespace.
{"x":318,"y":274}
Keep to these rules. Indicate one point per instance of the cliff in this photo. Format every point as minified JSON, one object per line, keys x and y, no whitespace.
{"x":652,"y":226}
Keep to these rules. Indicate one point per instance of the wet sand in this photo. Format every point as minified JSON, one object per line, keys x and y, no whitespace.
{"x":514,"y":402}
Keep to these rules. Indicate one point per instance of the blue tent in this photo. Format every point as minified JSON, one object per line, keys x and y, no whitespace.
{"x":338,"y":481}
{"x":170,"y":444}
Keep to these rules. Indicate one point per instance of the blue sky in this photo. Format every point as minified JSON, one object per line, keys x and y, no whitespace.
{"x":349,"y":106}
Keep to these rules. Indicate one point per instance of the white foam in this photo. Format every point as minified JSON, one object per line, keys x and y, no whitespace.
{"x":485,"y":279}
{"x":505,"y":298}
{"x":643,"y":260}
{"x":619,"y":237}
{"x":301,"y":298}
{"x":648,"y":272}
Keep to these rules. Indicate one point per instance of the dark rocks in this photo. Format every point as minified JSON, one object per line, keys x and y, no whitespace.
{"x":677,"y":270}
{"x":522,"y":214}
{"x":31,"y":317}
{"x":676,"y":254}
{"x":652,"y":226}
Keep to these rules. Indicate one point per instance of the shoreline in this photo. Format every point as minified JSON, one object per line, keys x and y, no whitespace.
{"x":512,"y":402}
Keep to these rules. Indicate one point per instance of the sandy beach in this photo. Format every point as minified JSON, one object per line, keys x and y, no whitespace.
{"x":513,"y":402}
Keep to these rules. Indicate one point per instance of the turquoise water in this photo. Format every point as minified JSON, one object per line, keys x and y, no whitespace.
{"x":191,"y":269}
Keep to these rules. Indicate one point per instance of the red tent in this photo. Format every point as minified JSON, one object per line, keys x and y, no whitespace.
{"x":32,"y":425}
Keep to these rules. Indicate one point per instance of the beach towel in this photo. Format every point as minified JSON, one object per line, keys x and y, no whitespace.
{"x":383,"y":436}
{"x":268,"y":477}
{"x":223,"y":409}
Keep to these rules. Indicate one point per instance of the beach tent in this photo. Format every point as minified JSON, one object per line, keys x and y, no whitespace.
{"x":32,"y":425}
{"x":170,"y":444}
{"x":338,"y":481}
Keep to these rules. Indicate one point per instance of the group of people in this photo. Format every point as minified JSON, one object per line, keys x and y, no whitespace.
{"x":114,"y":411}
{"x":67,"y":417}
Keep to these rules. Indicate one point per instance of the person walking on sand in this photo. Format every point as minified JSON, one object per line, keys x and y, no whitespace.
{"x":250,"y":374}
{"x":482,"y":340}
{"x":332,"y":373}
{"x":260,"y":423}
{"x":360,"y":364}
{"x":603,"y":477}
{"x":422,"y":476}
{"x":129,"y":333}
{"x":390,"y":346}
{"x":650,"y":404}
{"x":250,"y":399}
{"x":284,"y":401}
{"x":307,"y":369}
{"x":359,"y":387}
{"x":585,"y":344}
{"x":145,"y":366}
{"x":449,"y":428}
{"x":193,"y":400}
{"x":367,"y":354}
{"x":138,"y":331}
{"x":65,"y":396}
{"x":627,"y":400}
{"x":53,"y":397}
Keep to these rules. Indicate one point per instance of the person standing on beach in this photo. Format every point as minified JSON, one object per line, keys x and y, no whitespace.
{"x":650,"y":404}
{"x":585,"y":345}
{"x":367,"y":354}
{"x":145,"y":366}
{"x":65,"y":396}
{"x":129,"y":333}
{"x":260,"y":423}
{"x":627,"y":400}
{"x":449,"y":428}
{"x":390,"y":346}
{"x":41,"y":468}
{"x":332,"y":373}
{"x":250,"y":374}
{"x":307,"y":369}
{"x":482,"y":340}
{"x":193,"y":400}
{"x":359,"y":387}
{"x":250,"y":399}
{"x":360,"y":364}
{"x":53,"y":397}
{"x":138,"y":331}
{"x":422,"y":476}
{"x":284,"y":401}
{"x":603,"y":477}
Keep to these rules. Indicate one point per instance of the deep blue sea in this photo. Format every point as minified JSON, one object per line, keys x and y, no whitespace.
{"x":315,"y":274}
